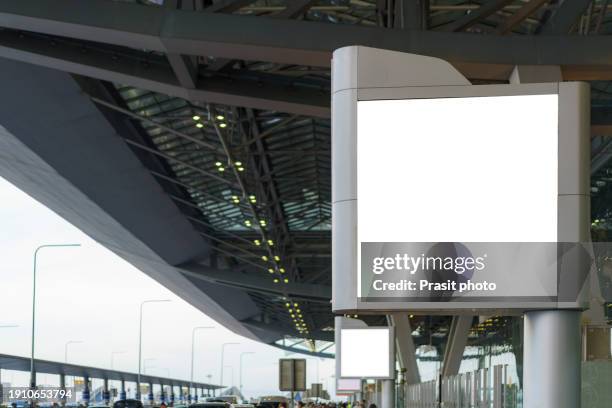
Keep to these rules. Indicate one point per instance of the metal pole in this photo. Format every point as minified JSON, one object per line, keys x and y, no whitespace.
{"x":32,"y":374}
{"x":138,"y":397}
{"x":240,"y":368}
{"x":193,"y":331}
{"x":551,"y":359}
{"x":222,"y":359}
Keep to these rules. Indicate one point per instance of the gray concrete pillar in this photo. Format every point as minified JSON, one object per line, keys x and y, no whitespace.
{"x":551,"y":359}
{"x":1,"y":388}
{"x":86,"y":391}
{"x":387,"y":395}
{"x":162,"y":394}
{"x":106,"y":392}
{"x":151,"y":397}
{"x":62,"y":385}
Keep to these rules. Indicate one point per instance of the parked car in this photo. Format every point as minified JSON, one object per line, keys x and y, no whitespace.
{"x":128,"y":403}
{"x":272,"y":401}
{"x":231,"y":399}
{"x":242,"y":406}
{"x":215,"y":404}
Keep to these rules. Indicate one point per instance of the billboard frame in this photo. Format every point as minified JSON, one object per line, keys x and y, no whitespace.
{"x":408,"y":76}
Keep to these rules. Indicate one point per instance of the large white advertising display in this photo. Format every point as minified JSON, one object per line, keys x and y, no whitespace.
{"x":493,"y":158}
{"x":456,"y":197}
{"x":476,"y":176}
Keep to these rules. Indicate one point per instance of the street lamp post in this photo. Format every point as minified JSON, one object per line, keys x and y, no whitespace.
{"x":32,"y":374}
{"x":222,"y":359}
{"x":66,"y":348}
{"x":240,"y":369}
{"x":140,"y":341}
{"x":193,"y":331}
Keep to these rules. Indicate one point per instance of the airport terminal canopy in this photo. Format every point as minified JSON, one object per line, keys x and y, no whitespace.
{"x":115,"y":88}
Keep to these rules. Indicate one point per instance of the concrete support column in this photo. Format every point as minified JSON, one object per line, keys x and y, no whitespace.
{"x":162,"y":394}
{"x":86,"y":391}
{"x":151,"y":397}
{"x":551,"y":359}
{"x":62,"y":385}
{"x":137,"y":394}
{"x":457,"y":340}
{"x":387,"y":397}
{"x":405,"y":348}
{"x":122,"y":393}
{"x":172,"y":395}
{"x":106,"y":392}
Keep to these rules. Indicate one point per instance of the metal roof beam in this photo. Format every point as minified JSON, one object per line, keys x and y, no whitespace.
{"x":411,"y":14}
{"x":473,"y":17}
{"x":520,"y":15}
{"x":295,"y":8}
{"x":565,"y":17}
{"x":262,"y":92}
{"x":259,"y":282}
{"x":185,"y":69}
{"x":227,"y":6}
{"x":289,"y":41}
{"x":285,"y":329}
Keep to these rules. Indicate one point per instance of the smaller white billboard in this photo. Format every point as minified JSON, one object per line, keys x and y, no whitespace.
{"x":366,"y":353}
{"x":348,"y":384}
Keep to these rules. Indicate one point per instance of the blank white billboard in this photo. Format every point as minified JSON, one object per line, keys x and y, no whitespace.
{"x":348,"y":384}
{"x":469,"y":169}
{"x":366,"y":353}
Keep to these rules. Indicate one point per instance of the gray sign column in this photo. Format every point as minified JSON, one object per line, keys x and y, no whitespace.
{"x":552,"y":340}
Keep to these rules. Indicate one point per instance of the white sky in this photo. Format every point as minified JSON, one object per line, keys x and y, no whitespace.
{"x":91,"y":295}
